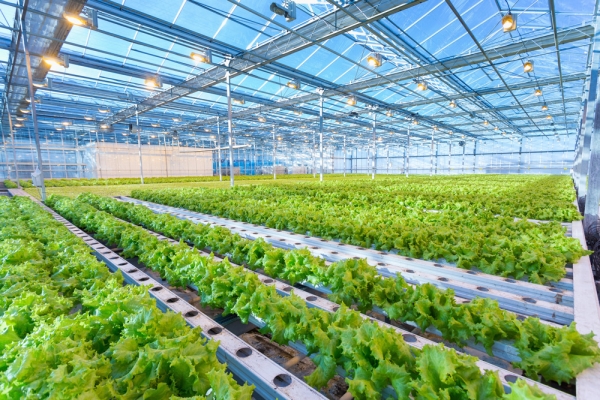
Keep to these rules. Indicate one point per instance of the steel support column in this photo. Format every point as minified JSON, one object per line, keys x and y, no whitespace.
{"x":274,"y":153}
{"x":24,"y":42}
{"x":230,"y":127}
{"x":345,"y":156}
{"x":320,"y":91}
{"x":431,"y":153}
{"x":407,"y":152}
{"x":374,"y":160}
{"x":219,"y":147}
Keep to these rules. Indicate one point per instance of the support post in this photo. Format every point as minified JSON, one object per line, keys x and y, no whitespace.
{"x":274,"y":154}
{"x":229,"y":124}
{"x":449,"y":158}
{"x":464,"y":146}
{"x":588,"y":127}
{"x":314,"y":159}
{"x":407,"y":158}
{"x":31,"y":95}
{"x":12,"y":139}
{"x":374,"y":161}
{"x":139,"y":137}
{"x":320,"y":91}
{"x":344,"y":156}
{"x":431,"y":153}
{"x":219,"y":147}
{"x":475,"y":156}
{"x":520,"y":154}
{"x":592,"y":193}
{"x":437,"y":150}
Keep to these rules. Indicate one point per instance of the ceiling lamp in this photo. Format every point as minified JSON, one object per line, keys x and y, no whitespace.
{"x":294,"y":84}
{"x":298,"y":112}
{"x":450,"y":132}
{"x":66,"y":123}
{"x":60,"y":128}
{"x":46,"y":83}
{"x":415,"y":122}
{"x":262,"y":118}
{"x":286,"y":9}
{"x":486,"y":123}
{"x":509,"y":22}
{"x":452,"y":104}
{"x":61,"y":61}
{"x":176,"y":119}
{"x":104,"y":110}
{"x":155,"y":125}
{"x":544,"y":107}
{"x":88,"y":118}
{"x":435,"y":128}
{"x":422,"y":86}
{"x":374,"y":60}
{"x":18,"y":125}
{"x":89,"y":20}
{"x":20,"y":118}
{"x":538,"y":92}
{"x":239,"y":101}
{"x":303,"y":127}
{"x":37,"y":101}
{"x":104,"y":126}
{"x":351,"y":101}
{"x":203,"y":57}
{"x":389,"y":113}
{"x":153,"y":82}
{"x":548,"y":116}
{"x":207,"y":130}
{"x":503,"y":133}
{"x":528,"y":66}
{"x":24,"y":110}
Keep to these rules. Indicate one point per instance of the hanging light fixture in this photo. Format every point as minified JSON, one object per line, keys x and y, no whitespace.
{"x":66,"y":123}
{"x":153,"y":82}
{"x":36,"y":100}
{"x":104,"y":110}
{"x":486,"y":123}
{"x":496,"y":128}
{"x":421,"y":85}
{"x":548,"y":116}
{"x":544,"y":107}
{"x":389,"y":113}
{"x":262,"y":118}
{"x":104,"y":126}
{"x":176,"y":119}
{"x":351,"y":101}
{"x":24,"y":110}
{"x":239,"y":101}
{"x":88,"y":118}
{"x":452,"y":104}
{"x":20,"y":118}
{"x":203,"y":57}
{"x":528,"y":66}
{"x":155,"y":125}
{"x":374,"y":60}
{"x":207,"y":130}
{"x":18,"y":125}
{"x":509,"y":22}
{"x":298,"y":112}
{"x":450,"y":132}
{"x":294,"y":84}
{"x":435,"y":128}
{"x":60,"y":61}
{"x":538,"y":92}
{"x":415,"y":122}
{"x":89,"y":20}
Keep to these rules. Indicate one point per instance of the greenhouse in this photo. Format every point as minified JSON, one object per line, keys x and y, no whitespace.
{"x":309,"y":199}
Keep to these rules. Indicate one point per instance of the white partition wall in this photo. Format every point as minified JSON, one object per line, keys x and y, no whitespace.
{"x":118,"y":160}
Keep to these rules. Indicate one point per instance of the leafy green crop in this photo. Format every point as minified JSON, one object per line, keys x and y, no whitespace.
{"x":119,"y":346}
{"x":355,"y":282}
{"x":374,"y":215}
{"x":373,"y":357}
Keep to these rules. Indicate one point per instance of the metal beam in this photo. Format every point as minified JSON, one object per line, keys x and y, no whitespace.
{"x":315,"y":30}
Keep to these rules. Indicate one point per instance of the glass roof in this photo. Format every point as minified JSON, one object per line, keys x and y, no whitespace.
{"x":477,"y":88}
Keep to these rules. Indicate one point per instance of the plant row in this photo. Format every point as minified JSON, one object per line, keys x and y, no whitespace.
{"x":495,"y":245}
{"x":373,"y":357}
{"x":134,"y":181}
{"x":557,"y":354}
{"x":70,"y":329}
